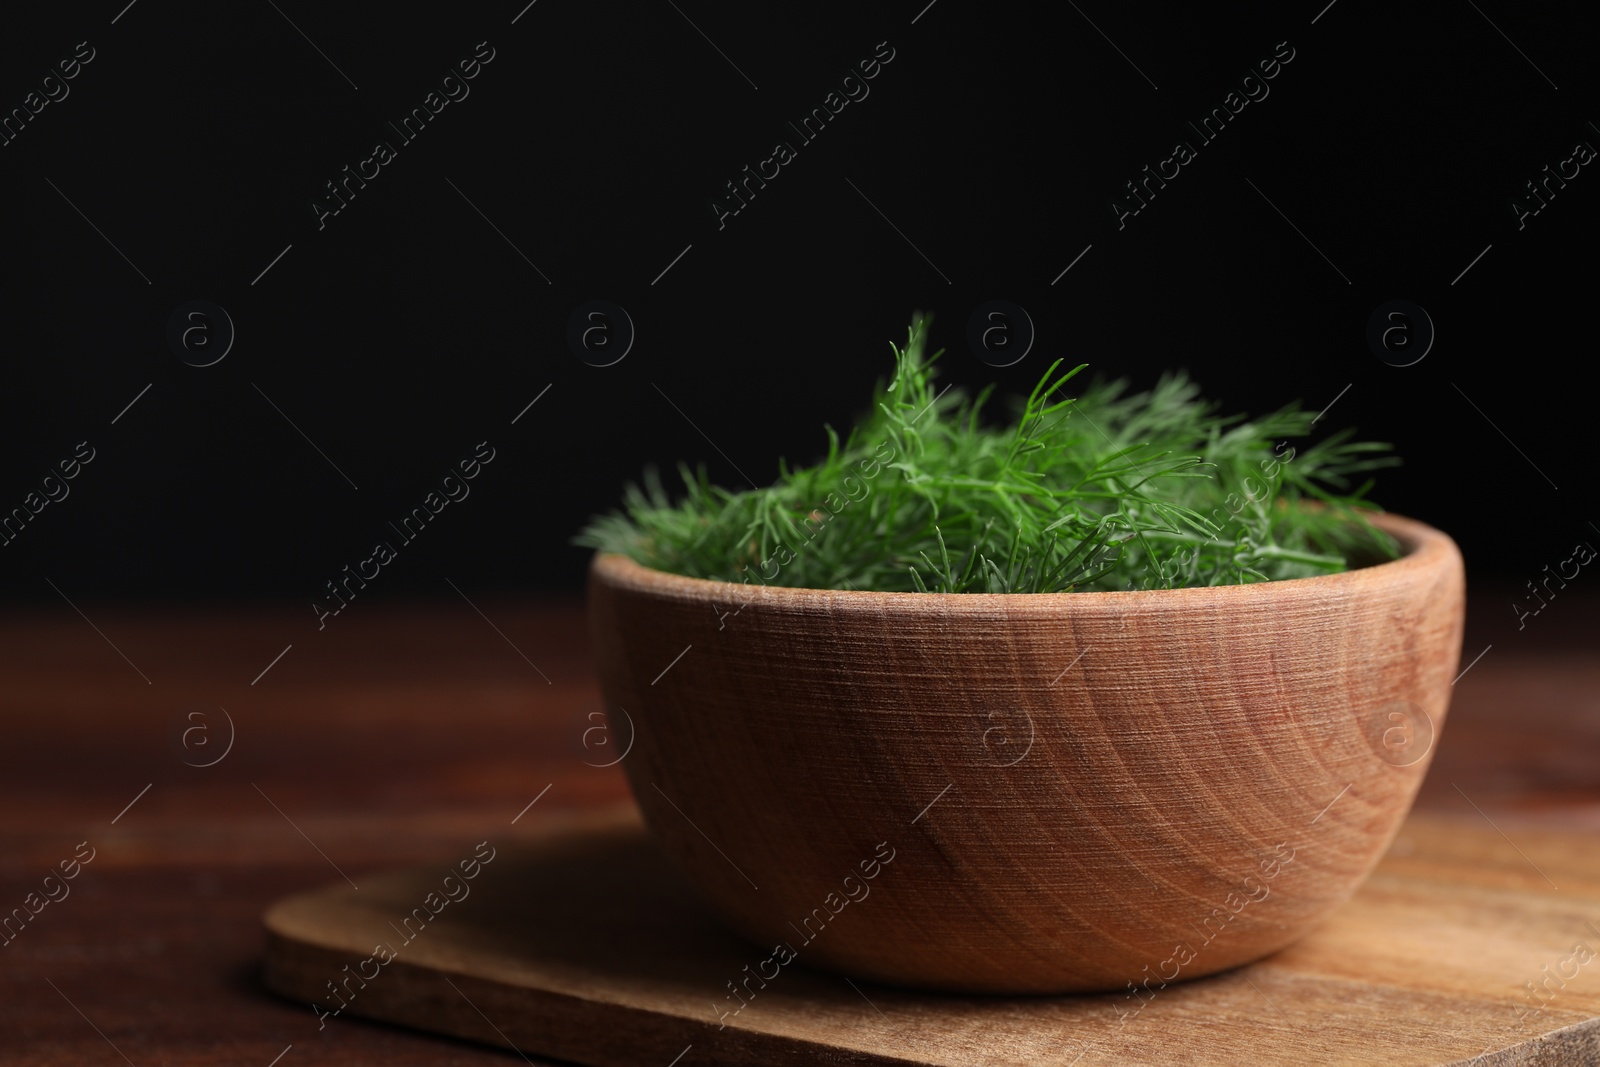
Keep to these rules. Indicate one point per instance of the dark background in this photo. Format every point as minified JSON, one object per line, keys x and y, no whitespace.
{"x":408,"y":329}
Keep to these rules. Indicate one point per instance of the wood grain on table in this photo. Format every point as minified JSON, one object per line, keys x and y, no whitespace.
{"x":405,"y":735}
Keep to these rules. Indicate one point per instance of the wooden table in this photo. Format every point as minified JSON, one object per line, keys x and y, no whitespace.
{"x":403,"y":734}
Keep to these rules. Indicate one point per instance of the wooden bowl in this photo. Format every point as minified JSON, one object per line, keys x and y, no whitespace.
{"x":1029,"y":793}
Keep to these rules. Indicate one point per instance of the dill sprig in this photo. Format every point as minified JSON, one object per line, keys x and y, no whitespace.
{"x":1103,"y":491}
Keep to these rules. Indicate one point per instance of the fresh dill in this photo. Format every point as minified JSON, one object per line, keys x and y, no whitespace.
{"x":1103,"y":491}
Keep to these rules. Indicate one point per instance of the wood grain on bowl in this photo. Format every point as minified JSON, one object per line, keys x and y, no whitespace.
{"x":1052,"y":792}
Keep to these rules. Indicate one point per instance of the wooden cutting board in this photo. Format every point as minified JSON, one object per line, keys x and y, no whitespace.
{"x":585,"y":945}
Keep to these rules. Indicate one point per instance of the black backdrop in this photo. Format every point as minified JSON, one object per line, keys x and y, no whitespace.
{"x":384,"y":342}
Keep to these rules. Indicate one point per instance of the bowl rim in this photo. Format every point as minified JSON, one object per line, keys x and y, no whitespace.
{"x":1424,"y":550}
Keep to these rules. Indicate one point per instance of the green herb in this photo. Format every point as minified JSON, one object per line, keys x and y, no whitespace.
{"x":1105,"y":491}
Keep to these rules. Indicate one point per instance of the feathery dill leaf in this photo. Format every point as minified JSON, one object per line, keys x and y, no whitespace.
{"x":1103,"y":491}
